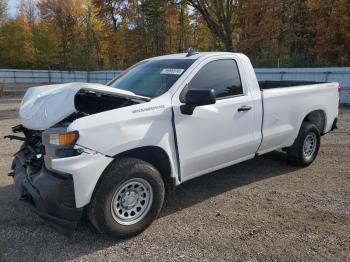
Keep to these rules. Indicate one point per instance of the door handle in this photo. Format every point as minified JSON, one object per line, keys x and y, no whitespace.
{"x":244,"y":108}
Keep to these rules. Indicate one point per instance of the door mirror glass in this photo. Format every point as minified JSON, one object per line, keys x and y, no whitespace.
{"x":197,"y":97}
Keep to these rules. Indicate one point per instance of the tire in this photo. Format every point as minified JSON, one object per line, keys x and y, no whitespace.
{"x":305,"y":148}
{"x":127,"y":199}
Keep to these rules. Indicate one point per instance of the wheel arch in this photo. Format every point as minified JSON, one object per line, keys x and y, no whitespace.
{"x":157,"y":157}
{"x":153,"y":155}
{"x":318,"y":118}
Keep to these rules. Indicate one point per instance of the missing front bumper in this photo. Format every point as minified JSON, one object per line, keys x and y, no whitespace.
{"x":50,"y":195}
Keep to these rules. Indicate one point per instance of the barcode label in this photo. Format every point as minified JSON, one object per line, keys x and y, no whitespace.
{"x":172,"y":71}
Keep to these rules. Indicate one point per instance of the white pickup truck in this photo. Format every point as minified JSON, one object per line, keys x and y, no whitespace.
{"x":115,"y":150}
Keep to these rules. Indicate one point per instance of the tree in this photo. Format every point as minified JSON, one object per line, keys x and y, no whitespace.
{"x":331,"y":28}
{"x":111,"y":11}
{"x":221,"y":17}
{"x":3,"y":10}
{"x":91,"y":26}
{"x":44,"y":41}
{"x":155,"y":24}
{"x":12,"y":42}
{"x":65,"y":16}
{"x":182,"y":28}
{"x":114,"y":34}
{"x":277,"y":33}
{"x":28,"y":11}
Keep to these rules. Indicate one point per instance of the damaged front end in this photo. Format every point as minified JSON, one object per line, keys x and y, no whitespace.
{"x":50,"y":194}
{"x":49,"y":162}
{"x":44,"y":107}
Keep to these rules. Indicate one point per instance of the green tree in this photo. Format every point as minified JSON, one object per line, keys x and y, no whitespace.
{"x":155,"y":24}
{"x":184,"y":28}
{"x":12,"y":42}
{"x":44,"y":45}
{"x":3,"y":10}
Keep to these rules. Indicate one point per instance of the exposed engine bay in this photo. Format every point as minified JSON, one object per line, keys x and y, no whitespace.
{"x":92,"y":103}
{"x":89,"y":103}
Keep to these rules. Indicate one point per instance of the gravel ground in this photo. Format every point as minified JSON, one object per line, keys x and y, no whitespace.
{"x":259,"y":210}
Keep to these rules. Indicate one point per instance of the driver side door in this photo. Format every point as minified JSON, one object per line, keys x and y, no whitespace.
{"x":217,"y":135}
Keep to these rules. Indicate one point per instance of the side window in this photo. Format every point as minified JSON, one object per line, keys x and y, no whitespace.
{"x":222,"y":76}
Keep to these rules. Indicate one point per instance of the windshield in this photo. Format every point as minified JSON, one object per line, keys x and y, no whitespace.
{"x":151,"y":78}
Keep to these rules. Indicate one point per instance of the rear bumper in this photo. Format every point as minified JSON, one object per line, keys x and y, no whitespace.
{"x":50,"y":195}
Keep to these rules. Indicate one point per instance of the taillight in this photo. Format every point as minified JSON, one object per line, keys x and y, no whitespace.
{"x":339,"y":91}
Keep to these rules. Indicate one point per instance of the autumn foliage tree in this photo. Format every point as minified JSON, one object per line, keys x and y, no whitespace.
{"x":331,"y":30}
{"x":221,"y":17}
{"x":113,"y":34}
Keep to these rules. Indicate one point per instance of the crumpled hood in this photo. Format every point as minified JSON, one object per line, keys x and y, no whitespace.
{"x":44,"y":106}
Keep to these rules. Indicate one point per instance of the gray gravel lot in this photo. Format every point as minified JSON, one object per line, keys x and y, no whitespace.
{"x":259,"y":210}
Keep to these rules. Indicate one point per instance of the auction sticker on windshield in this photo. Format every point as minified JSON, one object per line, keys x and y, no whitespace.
{"x":172,"y":71}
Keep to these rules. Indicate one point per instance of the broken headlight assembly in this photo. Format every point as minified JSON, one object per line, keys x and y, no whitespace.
{"x":59,"y":143}
{"x":63,"y":139}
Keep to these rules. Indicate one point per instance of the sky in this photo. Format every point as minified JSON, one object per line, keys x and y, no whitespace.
{"x":12,"y":7}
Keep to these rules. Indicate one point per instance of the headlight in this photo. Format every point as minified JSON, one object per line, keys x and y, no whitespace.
{"x":64,"y":139}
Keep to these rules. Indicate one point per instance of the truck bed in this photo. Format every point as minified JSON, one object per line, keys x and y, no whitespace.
{"x":285,"y":108}
{"x":281,"y":84}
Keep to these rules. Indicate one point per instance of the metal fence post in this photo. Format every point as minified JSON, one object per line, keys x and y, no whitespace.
{"x":282,"y":74}
{"x":327,"y":76}
{"x":2,"y":88}
{"x":49,"y":74}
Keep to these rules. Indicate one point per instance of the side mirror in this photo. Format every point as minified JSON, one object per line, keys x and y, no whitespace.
{"x":196,"y":98}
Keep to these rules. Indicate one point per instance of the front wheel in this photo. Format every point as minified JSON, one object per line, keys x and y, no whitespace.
{"x":128,"y":198}
{"x":305,"y":148}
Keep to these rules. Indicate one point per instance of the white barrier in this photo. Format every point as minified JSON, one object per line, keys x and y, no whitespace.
{"x":332,"y":74}
{"x":9,"y":76}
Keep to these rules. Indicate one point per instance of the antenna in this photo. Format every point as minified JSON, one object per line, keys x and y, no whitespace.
{"x":191,"y":51}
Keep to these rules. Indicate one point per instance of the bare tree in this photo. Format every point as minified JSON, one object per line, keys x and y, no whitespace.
{"x":221,"y":17}
{"x":29,"y":11}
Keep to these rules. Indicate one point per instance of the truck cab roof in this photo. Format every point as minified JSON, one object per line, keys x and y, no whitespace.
{"x":191,"y":57}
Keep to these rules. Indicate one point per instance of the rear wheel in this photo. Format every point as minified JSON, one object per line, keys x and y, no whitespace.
{"x":128,"y":198}
{"x":305,"y":148}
